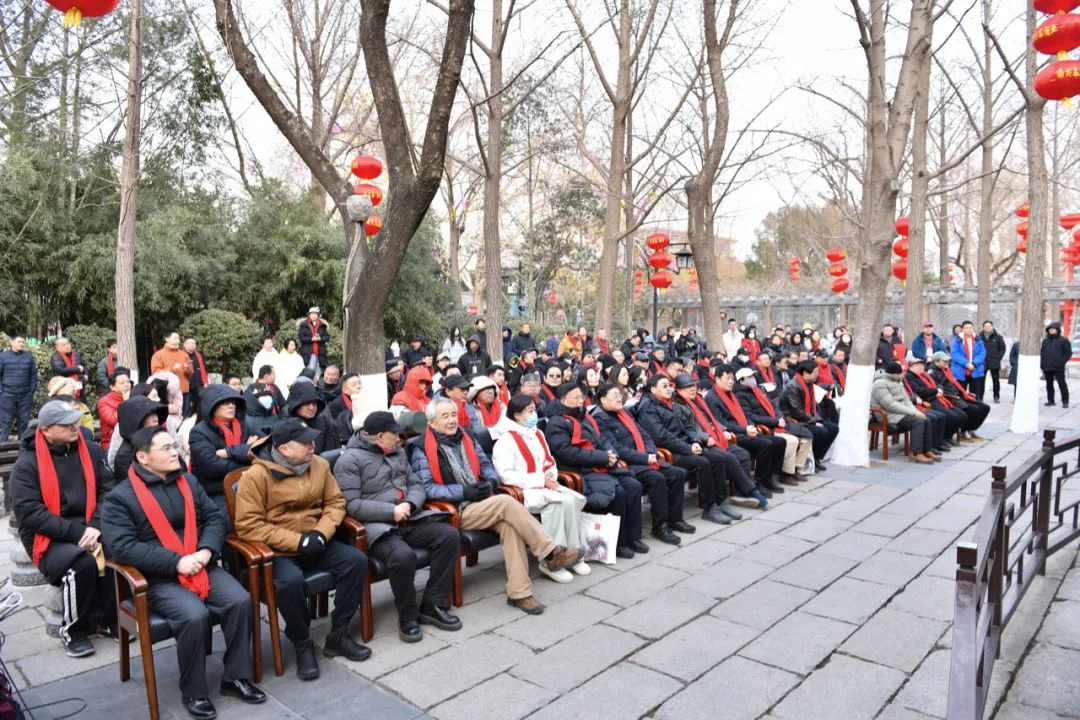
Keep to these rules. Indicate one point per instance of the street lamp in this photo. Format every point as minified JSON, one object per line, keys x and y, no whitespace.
{"x":684,"y":260}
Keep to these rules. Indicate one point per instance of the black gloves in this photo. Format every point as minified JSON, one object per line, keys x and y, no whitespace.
{"x":312,"y":544}
{"x":479,"y":491}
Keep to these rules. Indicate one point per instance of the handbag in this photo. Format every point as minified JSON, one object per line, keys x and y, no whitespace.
{"x":599,"y":537}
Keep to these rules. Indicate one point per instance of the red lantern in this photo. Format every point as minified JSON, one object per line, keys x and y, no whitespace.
{"x":75,"y":10}
{"x":794,"y":262}
{"x":794,"y":276}
{"x":373,"y":224}
{"x":836,"y":255}
{"x":903,"y":226}
{"x":551,"y":297}
{"x":1021,"y":245}
{"x":838,"y":269}
{"x":662,"y":279}
{"x":1076,"y":235}
{"x":1023,"y":210}
{"x":657,"y":241}
{"x":900,"y":246}
{"x":372,"y":191}
{"x":840,"y":285}
{"x":366,"y":167}
{"x":1022,"y":230}
{"x":1059,"y":80}
{"x":899,"y":270}
{"x":1057,"y":34}
{"x":1052,"y":7}
{"x":1069,"y":220}
{"x":660,"y":259}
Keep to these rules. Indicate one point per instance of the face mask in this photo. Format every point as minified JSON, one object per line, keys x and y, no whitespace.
{"x":846,"y":339}
{"x":266,"y":401}
{"x":750,"y":382}
{"x":530,"y":422}
{"x":753,"y":335}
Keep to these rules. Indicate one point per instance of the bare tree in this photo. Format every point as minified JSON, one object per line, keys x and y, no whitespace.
{"x":124,"y":278}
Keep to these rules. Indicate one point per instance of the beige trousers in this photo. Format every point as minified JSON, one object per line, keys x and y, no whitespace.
{"x":518,"y":531}
{"x":796,"y":452}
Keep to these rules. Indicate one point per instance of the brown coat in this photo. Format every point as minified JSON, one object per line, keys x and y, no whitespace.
{"x":275,"y":507}
{"x":166,"y":360}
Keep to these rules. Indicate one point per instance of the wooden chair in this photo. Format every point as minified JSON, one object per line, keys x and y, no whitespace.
{"x":880,"y":430}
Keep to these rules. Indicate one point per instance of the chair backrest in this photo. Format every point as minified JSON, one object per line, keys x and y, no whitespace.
{"x":483,"y":438}
{"x":232,"y":485}
{"x":331,"y":456}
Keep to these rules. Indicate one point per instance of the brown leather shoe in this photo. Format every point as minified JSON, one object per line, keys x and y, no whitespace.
{"x":922,"y":459}
{"x":563,"y":557}
{"x":801,"y":478}
{"x":786,"y":479}
{"x":526,"y":605}
{"x":933,"y":456}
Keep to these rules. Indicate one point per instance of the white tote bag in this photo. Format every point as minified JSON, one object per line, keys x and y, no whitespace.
{"x":599,"y":537}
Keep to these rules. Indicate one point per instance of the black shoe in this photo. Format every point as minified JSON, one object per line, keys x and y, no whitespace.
{"x":940,"y":450}
{"x":78,"y":646}
{"x":666,"y":536}
{"x":409,"y":631}
{"x":997,"y":400}
{"x":819,"y":466}
{"x":200,"y":708}
{"x":714,"y":514}
{"x":771,"y":486}
{"x":683,"y":527}
{"x":307,"y":667}
{"x":1050,"y":404}
{"x":765,"y":491}
{"x":435,"y":615}
{"x":1065,"y":405}
{"x":245,"y":690}
{"x":639,"y":546}
{"x":624,"y":552}
{"x":339,"y":643}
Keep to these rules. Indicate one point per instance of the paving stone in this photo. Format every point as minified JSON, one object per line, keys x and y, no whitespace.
{"x":590,"y":652}
{"x":388,"y":653}
{"x":748,"y":530}
{"x":623,"y":691}
{"x":775,"y":550}
{"x":726,"y":578}
{"x":854,"y":545}
{"x":927,"y":691}
{"x":798,"y":642}
{"x":44,"y":667}
{"x":762,"y":604}
{"x":469,"y":662}
{"x":928,"y":596}
{"x":571,"y":616}
{"x":1028,"y":618}
{"x":1019,"y":711}
{"x":850,"y":600}
{"x":18,"y":645}
{"x":943,"y":566}
{"x":790,"y":512}
{"x":817,"y":529}
{"x":885,"y":523}
{"x":699,"y":555}
{"x":504,"y":697}
{"x":897,"y":712}
{"x":695,"y":647}
{"x":483,"y":615}
{"x":737,"y":689}
{"x":890,"y":568}
{"x":1070,"y":587}
{"x":948,"y":520}
{"x":912,"y":505}
{"x":374,"y":703}
{"x":814,"y":571}
{"x":635,"y":585}
{"x":922,"y":541}
{"x":664,"y":611}
{"x":1062,"y":626}
{"x":845,"y":688}
{"x":851,"y":509}
{"x":897,"y":639}
{"x":830,"y":494}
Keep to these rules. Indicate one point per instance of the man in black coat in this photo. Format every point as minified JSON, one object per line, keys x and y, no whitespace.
{"x":995,"y":353}
{"x":959,"y":397}
{"x":314,"y":338}
{"x":634,"y":446}
{"x":523,"y":340}
{"x":57,"y":486}
{"x":1054,"y":354}
{"x":305,"y":402}
{"x":767,"y":450}
{"x":263,"y":401}
{"x":415,"y":352}
{"x":68,"y":362}
{"x":146,"y":521}
{"x":18,"y":382}
{"x":475,"y":360}
{"x":576,"y":442}
{"x":798,"y":405}
{"x":220,"y":441}
{"x":945,"y":419}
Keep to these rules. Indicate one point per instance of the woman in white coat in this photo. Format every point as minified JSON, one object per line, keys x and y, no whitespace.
{"x":288,"y":367}
{"x":522,"y":459}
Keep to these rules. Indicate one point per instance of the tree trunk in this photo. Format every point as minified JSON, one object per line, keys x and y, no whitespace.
{"x":920,"y":185}
{"x":1025,"y":417}
{"x":943,"y":213}
{"x":1055,"y":207}
{"x":493,"y":290}
{"x":129,"y":185}
{"x":986,"y":182}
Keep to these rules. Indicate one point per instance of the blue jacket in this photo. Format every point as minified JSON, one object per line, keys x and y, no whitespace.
{"x":18,"y":373}
{"x":451,"y":491}
{"x":960,"y":359}
{"x":918,"y":346}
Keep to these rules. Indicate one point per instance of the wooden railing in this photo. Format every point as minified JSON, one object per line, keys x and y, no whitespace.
{"x":1028,"y":517}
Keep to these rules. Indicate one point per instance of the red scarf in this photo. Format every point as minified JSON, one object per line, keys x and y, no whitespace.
{"x":431,"y":450}
{"x":110,"y":364}
{"x":199,"y":583}
{"x":50,"y":485}
{"x":969,"y":350}
{"x":929,"y":382}
{"x":825,"y":375}
{"x":841,"y":378}
{"x":463,"y":416}
{"x":963,"y":393}
{"x":547,"y":391}
{"x":230,"y":431}
{"x":347,"y":400}
{"x":767,"y":406}
{"x":530,"y":461}
{"x":809,"y":401}
{"x":603,"y":346}
{"x":632,"y":428}
{"x":583,"y":442}
{"x":68,"y":358}
{"x":767,"y":374}
{"x":490,"y":415}
{"x":314,"y":327}
{"x":201,"y":365}
{"x":707,"y":422}
{"x":504,"y":394}
{"x":732,"y":405}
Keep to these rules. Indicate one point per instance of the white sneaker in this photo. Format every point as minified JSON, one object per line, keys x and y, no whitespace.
{"x":559,"y":576}
{"x":582,"y":568}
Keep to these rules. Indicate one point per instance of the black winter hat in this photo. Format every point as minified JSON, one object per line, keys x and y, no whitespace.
{"x":684,"y":380}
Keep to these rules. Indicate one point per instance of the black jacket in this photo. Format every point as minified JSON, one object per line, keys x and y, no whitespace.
{"x":1056,"y":350}
{"x":306,"y":339}
{"x":475,"y":360}
{"x":523,"y":342}
{"x":724,"y":416}
{"x":599,"y":486}
{"x":792,"y":402}
{"x":131,"y":540}
{"x":411,"y":357}
{"x":130,"y":416}
{"x":207,"y":438}
{"x":664,"y":425}
{"x":995,"y":349}
{"x":753,"y":409}
{"x":261,"y":417}
{"x":302,"y":394}
{"x":884,"y":351}
{"x":59,"y":367}
{"x":25,"y":488}
{"x":616,"y":436}
{"x":18,"y":373}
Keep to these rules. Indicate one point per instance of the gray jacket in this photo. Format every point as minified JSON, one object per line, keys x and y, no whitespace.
{"x":373,"y":483}
{"x":890,"y":396}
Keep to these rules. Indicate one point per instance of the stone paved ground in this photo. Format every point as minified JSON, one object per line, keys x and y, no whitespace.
{"x":834,"y":603}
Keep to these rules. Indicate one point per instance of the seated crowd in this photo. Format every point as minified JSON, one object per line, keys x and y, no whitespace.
{"x":465,"y":444}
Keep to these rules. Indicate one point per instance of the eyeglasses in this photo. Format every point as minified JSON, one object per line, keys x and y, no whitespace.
{"x":171,"y":449}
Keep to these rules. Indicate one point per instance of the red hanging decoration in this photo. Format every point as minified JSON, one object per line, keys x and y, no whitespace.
{"x":372,"y":191}
{"x":1022,"y":230}
{"x":794,"y":276}
{"x":1021,"y":245}
{"x":1023,"y":210}
{"x":373,"y":224}
{"x":899,"y":270}
{"x":366,"y":167}
{"x":1052,"y":7}
{"x":551,"y":297}
{"x":1069,"y":220}
{"x":657,"y":241}
{"x":903,"y":226}
{"x":75,"y":10}
{"x":900,"y":246}
{"x":840,"y":285}
{"x":838,"y":269}
{"x":662,"y":279}
{"x":836,"y":255}
{"x":660,"y":259}
{"x":1057,"y":34}
{"x":1059,"y":81}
